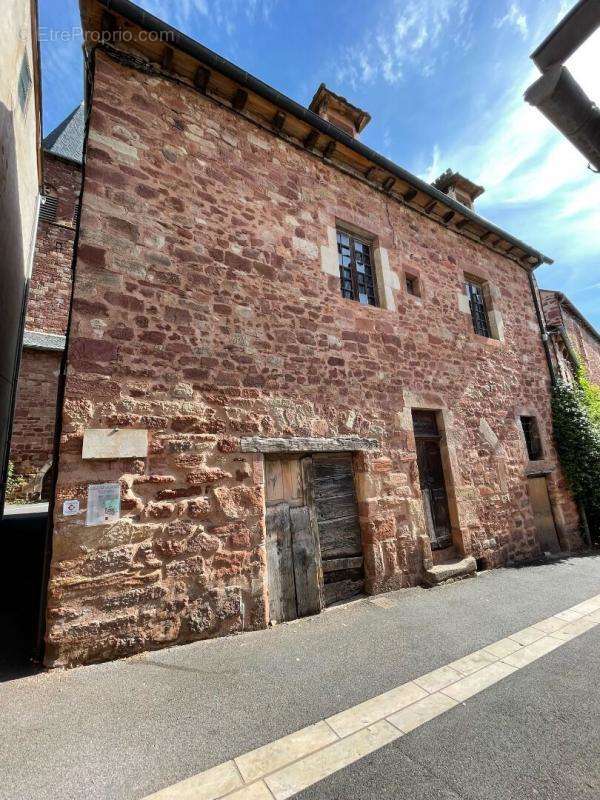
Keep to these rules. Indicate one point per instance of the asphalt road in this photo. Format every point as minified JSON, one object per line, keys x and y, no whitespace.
{"x":125,"y":729}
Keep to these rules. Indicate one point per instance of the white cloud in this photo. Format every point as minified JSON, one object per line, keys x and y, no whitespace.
{"x":514,"y":18}
{"x":409,"y":34}
{"x":222,"y":13}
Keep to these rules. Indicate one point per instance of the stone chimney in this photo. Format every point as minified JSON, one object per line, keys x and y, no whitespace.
{"x":339,"y":112}
{"x":458,"y":187}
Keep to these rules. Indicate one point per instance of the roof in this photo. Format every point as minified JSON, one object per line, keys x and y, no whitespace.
{"x":563,"y":300}
{"x":215,"y":77}
{"x":66,"y":140}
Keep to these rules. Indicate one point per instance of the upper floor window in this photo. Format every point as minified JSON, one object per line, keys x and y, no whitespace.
{"x":533,"y":441}
{"x":479,"y":315}
{"x":357,"y":273}
{"x":24,"y":83}
{"x":48,"y":208}
{"x":412,"y":285}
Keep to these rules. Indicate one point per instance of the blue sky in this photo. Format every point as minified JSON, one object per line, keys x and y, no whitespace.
{"x":443,"y":81}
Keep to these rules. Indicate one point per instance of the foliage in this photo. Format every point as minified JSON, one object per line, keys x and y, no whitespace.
{"x":15,"y":484}
{"x":577,"y":432}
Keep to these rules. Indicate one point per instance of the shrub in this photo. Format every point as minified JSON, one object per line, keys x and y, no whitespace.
{"x":575,"y":411}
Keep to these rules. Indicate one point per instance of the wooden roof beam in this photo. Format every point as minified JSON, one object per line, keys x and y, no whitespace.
{"x":409,"y":195}
{"x":329,"y":149}
{"x":388,"y":183}
{"x":279,"y":120}
{"x":310,"y":139}
{"x":430,"y":206}
{"x":448,"y":216}
{"x":240,"y":99}
{"x":167,"y":58}
{"x":201,"y":79}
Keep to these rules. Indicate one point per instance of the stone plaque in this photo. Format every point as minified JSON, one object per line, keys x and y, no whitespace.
{"x":104,"y":504}
{"x":107,"y":443}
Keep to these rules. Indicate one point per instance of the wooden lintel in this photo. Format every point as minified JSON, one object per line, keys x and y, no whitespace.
{"x":409,"y":195}
{"x":329,"y":149}
{"x":430,"y":206}
{"x":167,"y":58}
{"x":311,"y":139}
{"x":201,"y":79}
{"x":278,"y":120}
{"x":389,"y":183}
{"x":448,"y":216}
{"x":370,"y":172}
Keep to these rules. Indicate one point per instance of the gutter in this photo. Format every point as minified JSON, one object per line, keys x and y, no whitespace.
{"x":219,"y":64}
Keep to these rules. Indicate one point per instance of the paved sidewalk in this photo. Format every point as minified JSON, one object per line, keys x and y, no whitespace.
{"x":125,"y":729}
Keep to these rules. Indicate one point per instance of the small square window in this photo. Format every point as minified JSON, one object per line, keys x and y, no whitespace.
{"x":357,"y":273}
{"x":412,"y":285}
{"x":479,"y":314}
{"x":24,"y":83}
{"x":48,"y":208}
{"x":533,"y":441}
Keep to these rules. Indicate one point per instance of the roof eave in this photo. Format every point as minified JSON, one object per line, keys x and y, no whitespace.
{"x":194,"y":49}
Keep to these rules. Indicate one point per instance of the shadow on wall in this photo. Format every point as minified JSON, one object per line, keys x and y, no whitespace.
{"x":13,"y":281}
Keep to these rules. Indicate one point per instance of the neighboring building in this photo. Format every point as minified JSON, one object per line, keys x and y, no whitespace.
{"x":20,"y":179}
{"x":306,"y":372}
{"x":574,"y":339}
{"x":48,"y":308}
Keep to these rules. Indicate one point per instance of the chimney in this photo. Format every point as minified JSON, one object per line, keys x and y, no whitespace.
{"x":339,"y":112}
{"x":458,"y":187}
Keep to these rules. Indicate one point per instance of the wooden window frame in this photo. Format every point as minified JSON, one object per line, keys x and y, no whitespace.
{"x":354,"y":279}
{"x":476,"y":294}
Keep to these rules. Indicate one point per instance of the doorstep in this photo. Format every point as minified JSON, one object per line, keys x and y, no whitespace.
{"x":454,"y":570}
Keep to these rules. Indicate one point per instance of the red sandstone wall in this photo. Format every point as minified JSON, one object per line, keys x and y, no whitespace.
{"x":47,"y":311}
{"x":202,"y":313}
{"x":50,"y":286}
{"x":35,"y":410}
{"x":583,"y":342}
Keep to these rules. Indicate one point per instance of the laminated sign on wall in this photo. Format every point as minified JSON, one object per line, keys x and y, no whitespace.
{"x":104,"y":503}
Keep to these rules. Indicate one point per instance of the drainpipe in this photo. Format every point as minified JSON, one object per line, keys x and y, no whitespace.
{"x":541,"y":323}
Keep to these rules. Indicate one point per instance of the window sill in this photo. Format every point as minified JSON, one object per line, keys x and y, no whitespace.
{"x":485,"y":340}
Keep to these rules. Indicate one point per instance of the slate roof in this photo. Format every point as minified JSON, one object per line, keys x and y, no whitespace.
{"x":66,"y":140}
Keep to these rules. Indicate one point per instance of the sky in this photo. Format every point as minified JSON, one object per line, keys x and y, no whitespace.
{"x":443,"y":81}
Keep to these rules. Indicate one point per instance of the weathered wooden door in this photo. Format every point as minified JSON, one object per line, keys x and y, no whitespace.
{"x":314,"y":545}
{"x":339,"y":530}
{"x":431,"y":478}
{"x":542,"y":513}
{"x":293,"y":558}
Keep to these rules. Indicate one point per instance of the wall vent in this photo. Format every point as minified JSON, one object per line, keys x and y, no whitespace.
{"x":48,"y":208}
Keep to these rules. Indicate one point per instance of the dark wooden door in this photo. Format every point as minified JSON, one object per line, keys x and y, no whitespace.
{"x":431,"y":478}
{"x":339,"y":530}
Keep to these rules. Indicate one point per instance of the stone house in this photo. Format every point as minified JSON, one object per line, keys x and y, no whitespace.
{"x":48,"y":304}
{"x":573,"y":338}
{"x":295,"y":371}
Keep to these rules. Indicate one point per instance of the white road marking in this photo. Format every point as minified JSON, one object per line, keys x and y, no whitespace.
{"x":283,"y":768}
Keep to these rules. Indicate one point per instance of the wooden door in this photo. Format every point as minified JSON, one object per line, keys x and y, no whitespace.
{"x":542,"y":513}
{"x":293,"y":558}
{"x":339,"y":530}
{"x":431,"y":479}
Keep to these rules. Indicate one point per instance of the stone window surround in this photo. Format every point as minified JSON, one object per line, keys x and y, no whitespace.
{"x":492,"y":298}
{"x":387,"y":280}
{"x":542,"y":466}
{"x":415,"y":275}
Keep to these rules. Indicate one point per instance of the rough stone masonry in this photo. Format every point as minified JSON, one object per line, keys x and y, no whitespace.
{"x":205,"y":312}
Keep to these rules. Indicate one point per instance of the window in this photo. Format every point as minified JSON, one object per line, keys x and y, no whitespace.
{"x":532,"y":438}
{"x":24,"y":83}
{"x":48,"y":208}
{"x":479,"y":315}
{"x":412,"y":285}
{"x":357,"y":276}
